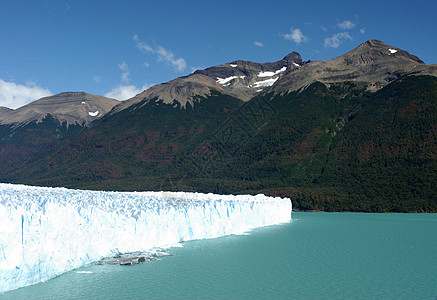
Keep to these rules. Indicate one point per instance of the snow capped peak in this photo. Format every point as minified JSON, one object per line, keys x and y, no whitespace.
{"x":392,"y":51}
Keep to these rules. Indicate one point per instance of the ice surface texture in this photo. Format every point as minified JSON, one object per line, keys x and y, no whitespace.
{"x":45,"y":232}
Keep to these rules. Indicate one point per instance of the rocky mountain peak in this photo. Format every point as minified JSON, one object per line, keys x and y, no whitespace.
{"x":293,"y":57}
{"x":373,"y":64}
{"x":375,"y":51}
{"x":72,"y":94}
{"x":372,"y":43}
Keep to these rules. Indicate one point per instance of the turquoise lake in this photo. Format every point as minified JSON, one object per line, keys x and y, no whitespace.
{"x":315,"y":256}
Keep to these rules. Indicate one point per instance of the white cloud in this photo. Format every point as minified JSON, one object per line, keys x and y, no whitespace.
{"x":123,"y":92}
{"x":167,"y":56}
{"x":162,"y":54}
{"x":124,"y":72}
{"x":146,"y":64}
{"x":142,"y":46}
{"x":296,"y":36}
{"x":323,"y":28}
{"x":336,"y":40}
{"x":96,"y":79}
{"x":363,"y":30}
{"x":14,"y":95}
{"x":346,"y":25}
{"x":258,"y":44}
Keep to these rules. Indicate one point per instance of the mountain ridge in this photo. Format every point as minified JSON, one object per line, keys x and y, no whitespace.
{"x":373,"y":64}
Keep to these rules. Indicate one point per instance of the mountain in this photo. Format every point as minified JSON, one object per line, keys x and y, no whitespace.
{"x":245,"y":79}
{"x":373,"y":64}
{"x":239,"y":79}
{"x":354,"y":133}
{"x":70,"y":107}
{"x":28,"y":129}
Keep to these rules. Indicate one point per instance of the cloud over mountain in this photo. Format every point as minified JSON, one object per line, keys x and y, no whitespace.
{"x":123,"y":92}
{"x":15,"y":95}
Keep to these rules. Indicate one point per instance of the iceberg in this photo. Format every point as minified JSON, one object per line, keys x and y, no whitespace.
{"x":45,"y":231}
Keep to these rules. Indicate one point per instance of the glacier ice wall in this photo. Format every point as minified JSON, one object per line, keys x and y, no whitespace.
{"x":45,"y":232}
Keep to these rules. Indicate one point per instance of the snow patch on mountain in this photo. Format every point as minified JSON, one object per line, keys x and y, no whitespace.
{"x":265,"y":83}
{"x":270,"y":74}
{"x":224,"y":81}
{"x":93,"y":114}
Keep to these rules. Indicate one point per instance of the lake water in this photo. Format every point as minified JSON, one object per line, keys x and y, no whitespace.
{"x":316,"y":256}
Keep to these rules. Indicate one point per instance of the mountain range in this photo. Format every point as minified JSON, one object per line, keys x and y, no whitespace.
{"x":354,"y":133}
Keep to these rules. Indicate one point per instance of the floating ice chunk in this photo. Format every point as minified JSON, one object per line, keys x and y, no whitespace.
{"x":84,"y":272}
{"x":45,"y":232}
{"x":270,"y":74}
{"x":93,"y":114}
{"x":265,"y":83}
{"x":392,"y":51}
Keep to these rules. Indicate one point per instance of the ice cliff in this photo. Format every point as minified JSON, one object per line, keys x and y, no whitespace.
{"x":45,"y":232}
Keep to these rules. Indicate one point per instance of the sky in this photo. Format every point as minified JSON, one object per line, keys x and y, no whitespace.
{"x":120,"y":48}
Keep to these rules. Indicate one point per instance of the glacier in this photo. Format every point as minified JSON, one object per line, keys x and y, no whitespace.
{"x":45,"y":231}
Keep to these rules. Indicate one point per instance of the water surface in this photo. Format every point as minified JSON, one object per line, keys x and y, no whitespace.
{"x":317,"y":255}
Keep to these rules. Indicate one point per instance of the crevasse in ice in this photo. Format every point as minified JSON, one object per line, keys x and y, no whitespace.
{"x":45,"y":232}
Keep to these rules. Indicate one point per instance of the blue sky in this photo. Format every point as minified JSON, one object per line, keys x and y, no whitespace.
{"x":119,"y":48}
